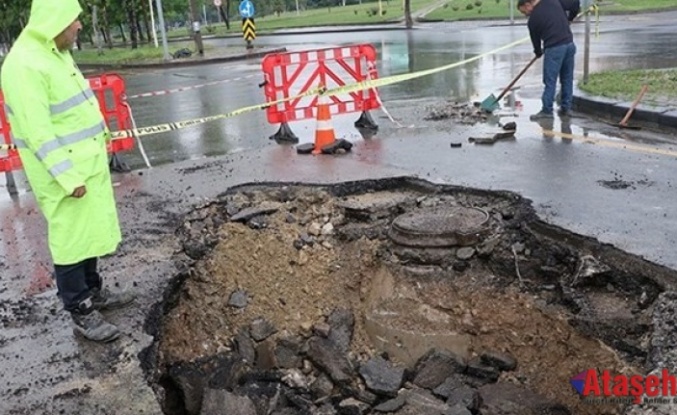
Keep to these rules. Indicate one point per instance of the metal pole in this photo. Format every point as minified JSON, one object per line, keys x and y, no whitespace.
{"x":152,"y":22}
{"x":204,"y":14}
{"x":163,"y":32}
{"x":586,"y":52}
{"x":512,"y":12}
{"x":297,"y":8}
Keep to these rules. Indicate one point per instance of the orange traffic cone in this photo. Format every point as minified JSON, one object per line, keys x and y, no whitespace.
{"x":324,"y":131}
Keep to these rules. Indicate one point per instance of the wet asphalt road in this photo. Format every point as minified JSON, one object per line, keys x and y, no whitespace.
{"x":572,"y":183}
{"x":635,"y":42}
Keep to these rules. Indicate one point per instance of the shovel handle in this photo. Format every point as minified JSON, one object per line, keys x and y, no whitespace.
{"x":519,"y":75}
{"x":628,"y":114}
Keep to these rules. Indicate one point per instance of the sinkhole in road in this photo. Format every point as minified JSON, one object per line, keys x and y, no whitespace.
{"x":396,"y":296}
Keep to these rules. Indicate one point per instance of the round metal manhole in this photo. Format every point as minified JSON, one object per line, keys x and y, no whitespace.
{"x":440,"y":227}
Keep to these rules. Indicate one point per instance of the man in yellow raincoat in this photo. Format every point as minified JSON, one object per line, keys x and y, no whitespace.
{"x":61,"y":135}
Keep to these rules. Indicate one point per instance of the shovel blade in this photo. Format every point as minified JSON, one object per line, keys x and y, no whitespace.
{"x":489,"y":104}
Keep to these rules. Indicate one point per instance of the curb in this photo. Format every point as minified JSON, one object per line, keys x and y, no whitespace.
{"x":300,"y":31}
{"x":615,"y":109}
{"x":182,"y":63}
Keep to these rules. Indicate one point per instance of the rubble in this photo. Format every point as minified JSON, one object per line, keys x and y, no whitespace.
{"x":462,"y":113}
{"x":329,"y":314}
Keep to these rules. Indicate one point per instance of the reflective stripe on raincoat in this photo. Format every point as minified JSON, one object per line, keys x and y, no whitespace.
{"x":61,"y":135}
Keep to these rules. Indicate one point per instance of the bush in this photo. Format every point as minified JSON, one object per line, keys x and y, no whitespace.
{"x":455,"y":8}
{"x":469,"y":6}
{"x":478,"y":3}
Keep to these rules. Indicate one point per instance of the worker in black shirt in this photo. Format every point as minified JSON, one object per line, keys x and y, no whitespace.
{"x":551,"y":36}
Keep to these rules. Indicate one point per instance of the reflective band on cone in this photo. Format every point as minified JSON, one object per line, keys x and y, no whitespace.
{"x":324,"y":131}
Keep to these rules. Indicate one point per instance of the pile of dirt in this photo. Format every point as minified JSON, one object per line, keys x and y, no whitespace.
{"x":280,"y":261}
{"x":462,"y":113}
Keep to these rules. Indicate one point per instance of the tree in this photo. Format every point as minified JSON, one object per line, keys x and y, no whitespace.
{"x":409,"y":22}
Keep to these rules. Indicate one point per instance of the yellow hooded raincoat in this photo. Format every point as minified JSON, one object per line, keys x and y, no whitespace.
{"x":56,"y":123}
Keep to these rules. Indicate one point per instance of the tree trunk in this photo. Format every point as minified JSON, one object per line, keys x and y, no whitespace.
{"x":96,"y":30}
{"x":195,"y":20}
{"x":224,"y":15}
{"x":139,"y":30}
{"x":122,"y":33}
{"x":132,"y":23}
{"x":149,"y":34}
{"x":106,"y":29}
{"x":409,"y":22}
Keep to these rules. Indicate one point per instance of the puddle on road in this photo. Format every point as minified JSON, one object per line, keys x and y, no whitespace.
{"x":392,"y":294}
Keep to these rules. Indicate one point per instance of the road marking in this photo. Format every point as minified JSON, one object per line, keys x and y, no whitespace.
{"x":604,"y":142}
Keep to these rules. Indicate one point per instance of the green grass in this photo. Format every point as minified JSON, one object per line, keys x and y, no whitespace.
{"x":126,"y":55}
{"x":366,"y":13}
{"x":635,"y":5}
{"x":627,"y":84}
{"x":473,"y":9}
{"x":483,"y":9}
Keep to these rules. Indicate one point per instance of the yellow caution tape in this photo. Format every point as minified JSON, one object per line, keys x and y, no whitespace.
{"x":359,"y":86}
{"x":161,"y":128}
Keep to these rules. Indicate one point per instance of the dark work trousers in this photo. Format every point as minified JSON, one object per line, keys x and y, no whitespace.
{"x":75,"y":282}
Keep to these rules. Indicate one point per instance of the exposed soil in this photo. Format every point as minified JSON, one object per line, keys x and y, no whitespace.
{"x":307,"y":252}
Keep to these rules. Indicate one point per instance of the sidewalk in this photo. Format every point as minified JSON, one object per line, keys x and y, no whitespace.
{"x":214,"y":55}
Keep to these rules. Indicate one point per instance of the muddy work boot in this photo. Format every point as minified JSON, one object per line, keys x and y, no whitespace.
{"x":541,"y":115}
{"x":91,"y":324}
{"x":564,"y":113}
{"x":104,"y":299}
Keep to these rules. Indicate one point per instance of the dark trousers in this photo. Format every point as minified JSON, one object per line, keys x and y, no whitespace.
{"x":76,"y":281}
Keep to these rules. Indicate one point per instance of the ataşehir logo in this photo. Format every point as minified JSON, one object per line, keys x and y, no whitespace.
{"x":592,"y":383}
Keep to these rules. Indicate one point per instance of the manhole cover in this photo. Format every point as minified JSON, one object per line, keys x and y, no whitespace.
{"x":440,"y":227}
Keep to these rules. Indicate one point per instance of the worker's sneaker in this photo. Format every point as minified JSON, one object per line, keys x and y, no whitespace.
{"x":104,"y":299}
{"x":564,"y":113}
{"x":91,"y":324}
{"x":541,"y":115}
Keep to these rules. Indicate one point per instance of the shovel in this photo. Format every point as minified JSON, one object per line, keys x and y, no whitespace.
{"x":624,"y":121}
{"x":491,"y":102}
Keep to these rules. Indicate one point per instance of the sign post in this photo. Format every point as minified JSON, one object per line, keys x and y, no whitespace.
{"x":161,"y":21}
{"x":247,"y":12}
{"x":586,"y":50}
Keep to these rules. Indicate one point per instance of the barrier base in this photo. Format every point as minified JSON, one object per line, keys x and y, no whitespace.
{"x":285,"y":135}
{"x":118,"y":165}
{"x":367,"y":133}
{"x":336,"y":146}
{"x":366,"y":122}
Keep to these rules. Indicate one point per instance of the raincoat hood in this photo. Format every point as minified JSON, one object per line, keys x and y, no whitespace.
{"x":50,"y":17}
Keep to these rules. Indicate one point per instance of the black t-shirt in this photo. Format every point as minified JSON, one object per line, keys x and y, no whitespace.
{"x":549,"y":23}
